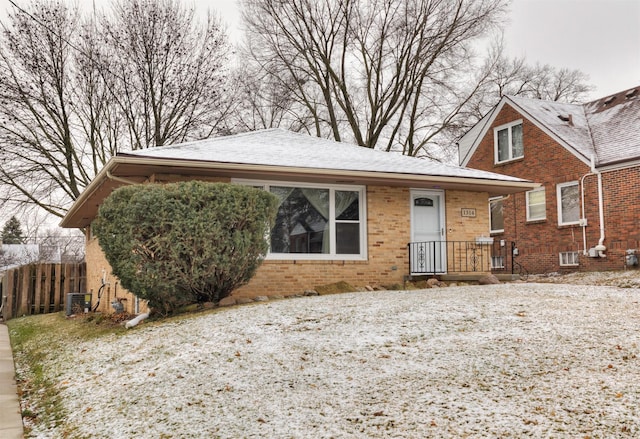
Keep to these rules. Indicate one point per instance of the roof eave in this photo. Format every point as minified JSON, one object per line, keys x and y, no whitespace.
{"x":336,"y":176}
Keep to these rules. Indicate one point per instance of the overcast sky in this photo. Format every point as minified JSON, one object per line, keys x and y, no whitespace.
{"x":599,"y":37}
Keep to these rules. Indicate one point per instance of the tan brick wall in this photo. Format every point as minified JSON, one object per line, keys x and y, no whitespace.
{"x":461,"y":228}
{"x":388,"y":233}
{"x":97,"y":268}
{"x":464,"y":229}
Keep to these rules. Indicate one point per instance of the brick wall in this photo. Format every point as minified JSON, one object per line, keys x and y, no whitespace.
{"x":548,"y":163}
{"x":388,"y":233}
{"x":97,"y":268}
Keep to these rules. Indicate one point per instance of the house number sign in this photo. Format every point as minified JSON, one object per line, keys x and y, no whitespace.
{"x":467,"y":212}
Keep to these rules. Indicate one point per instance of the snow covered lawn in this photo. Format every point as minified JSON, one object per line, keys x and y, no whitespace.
{"x":511,"y":360}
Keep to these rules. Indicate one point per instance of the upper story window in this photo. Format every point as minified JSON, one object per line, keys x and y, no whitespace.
{"x":496,"y":215}
{"x":508,"y":142}
{"x":568,"y":203}
{"x":317,"y":221}
{"x":536,"y":205}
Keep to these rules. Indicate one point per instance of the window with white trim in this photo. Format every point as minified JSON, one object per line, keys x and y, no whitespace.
{"x":317,"y":221}
{"x":536,"y":205}
{"x":497,"y":262}
{"x":508,"y":142}
{"x":496,"y":215}
{"x":569,"y":259}
{"x":568,"y":203}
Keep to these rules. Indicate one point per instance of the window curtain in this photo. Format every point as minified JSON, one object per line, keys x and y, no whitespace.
{"x":344,"y":199}
{"x":516,"y":139}
{"x":321,"y":204}
{"x":281,"y":193}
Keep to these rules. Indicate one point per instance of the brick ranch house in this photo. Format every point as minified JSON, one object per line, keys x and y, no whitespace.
{"x":586,"y":213}
{"x":361,"y":208}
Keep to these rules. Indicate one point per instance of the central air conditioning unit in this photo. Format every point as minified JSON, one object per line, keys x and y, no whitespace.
{"x":78,"y":303}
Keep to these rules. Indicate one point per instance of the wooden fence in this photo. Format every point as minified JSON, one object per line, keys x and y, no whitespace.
{"x":40,"y":288}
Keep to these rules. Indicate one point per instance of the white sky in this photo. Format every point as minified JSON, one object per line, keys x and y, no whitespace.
{"x":599,"y":37}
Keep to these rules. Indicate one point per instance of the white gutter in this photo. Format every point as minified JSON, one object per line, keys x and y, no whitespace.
{"x":110,"y":176}
{"x":106,"y":174}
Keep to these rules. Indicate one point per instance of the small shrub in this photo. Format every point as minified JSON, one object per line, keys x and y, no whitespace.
{"x":184,"y":243}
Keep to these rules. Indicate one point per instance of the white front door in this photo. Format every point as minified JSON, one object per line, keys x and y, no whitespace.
{"x":428,"y":247}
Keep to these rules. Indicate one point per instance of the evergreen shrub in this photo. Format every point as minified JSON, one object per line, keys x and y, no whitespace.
{"x":183,"y":243}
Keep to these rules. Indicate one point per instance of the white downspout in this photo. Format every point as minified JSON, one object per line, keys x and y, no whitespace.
{"x":600,"y":248}
{"x":584,"y":216}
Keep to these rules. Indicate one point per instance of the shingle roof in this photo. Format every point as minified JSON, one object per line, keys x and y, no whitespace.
{"x":553,"y":115}
{"x":278,"y":147}
{"x":615,"y":126}
{"x":607,"y":128}
{"x":276,"y":154}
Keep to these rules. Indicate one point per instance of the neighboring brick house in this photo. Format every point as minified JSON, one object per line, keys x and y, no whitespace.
{"x":361,"y":208}
{"x":586,"y":214}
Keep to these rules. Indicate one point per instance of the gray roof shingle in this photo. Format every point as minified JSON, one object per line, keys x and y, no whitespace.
{"x":278,"y":147}
{"x":607,"y":128}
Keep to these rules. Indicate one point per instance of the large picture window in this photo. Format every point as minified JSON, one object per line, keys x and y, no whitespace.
{"x":508,"y":142}
{"x":317,"y":222}
{"x":568,"y":203}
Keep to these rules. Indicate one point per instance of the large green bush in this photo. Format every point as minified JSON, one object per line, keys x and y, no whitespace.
{"x":183,"y":243}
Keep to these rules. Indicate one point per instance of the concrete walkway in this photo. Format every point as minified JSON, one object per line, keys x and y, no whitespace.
{"x":10,"y":417}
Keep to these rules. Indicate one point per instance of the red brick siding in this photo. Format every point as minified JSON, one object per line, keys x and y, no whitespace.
{"x":548,"y":163}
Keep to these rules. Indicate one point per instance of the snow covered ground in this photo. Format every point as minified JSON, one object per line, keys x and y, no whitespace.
{"x":511,"y":360}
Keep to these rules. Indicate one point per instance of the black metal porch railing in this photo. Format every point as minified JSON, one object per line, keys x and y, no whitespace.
{"x":439,"y":257}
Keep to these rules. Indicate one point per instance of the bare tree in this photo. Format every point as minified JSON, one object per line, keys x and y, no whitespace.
{"x":503,"y":76}
{"x":42,"y":161}
{"x":515,"y":77}
{"x":76,"y":89}
{"x":380,"y":73}
{"x":389,"y":74}
{"x":169,"y":71}
{"x":65,"y":247}
{"x":266,"y":102}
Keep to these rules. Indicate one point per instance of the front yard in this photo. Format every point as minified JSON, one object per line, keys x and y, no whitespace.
{"x":511,"y":360}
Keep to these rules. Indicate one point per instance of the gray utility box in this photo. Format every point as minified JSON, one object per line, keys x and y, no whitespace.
{"x":78,"y":303}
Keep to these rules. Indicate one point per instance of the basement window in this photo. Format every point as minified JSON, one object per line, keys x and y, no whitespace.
{"x":497,"y":262}
{"x":569,"y":259}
